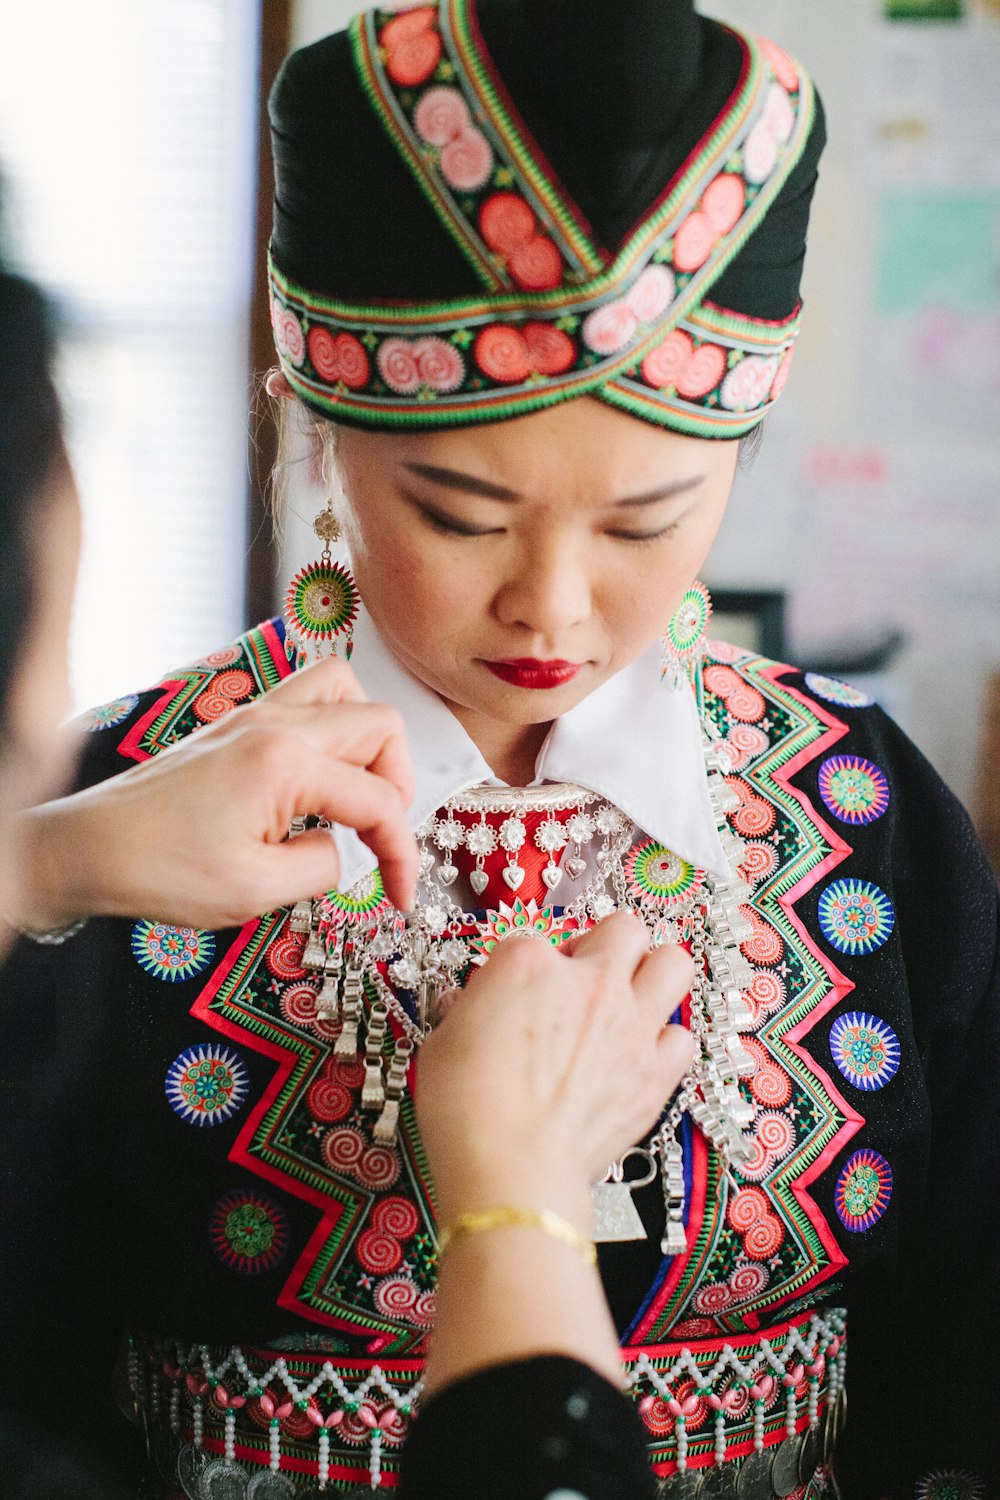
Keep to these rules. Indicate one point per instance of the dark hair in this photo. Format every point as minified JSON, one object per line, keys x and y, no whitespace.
{"x":30,"y":430}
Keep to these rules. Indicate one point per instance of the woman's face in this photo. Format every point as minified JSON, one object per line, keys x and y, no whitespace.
{"x":516,"y":566}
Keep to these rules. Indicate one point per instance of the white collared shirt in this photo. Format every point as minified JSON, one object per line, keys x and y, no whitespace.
{"x":634,"y":741}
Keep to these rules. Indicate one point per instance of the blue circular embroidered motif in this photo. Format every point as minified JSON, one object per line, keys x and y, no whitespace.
{"x":205,"y":1085}
{"x":854,"y":790}
{"x":855,"y":916}
{"x":837,"y":692}
{"x":108,"y":715}
{"x":863,"y":1190}
{"x":248,"y":1231}
{"x":865,"y":1049}
{"x":171,"y":953}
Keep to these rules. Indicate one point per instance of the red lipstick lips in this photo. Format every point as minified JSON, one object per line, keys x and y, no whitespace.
{"x":526,"y":672}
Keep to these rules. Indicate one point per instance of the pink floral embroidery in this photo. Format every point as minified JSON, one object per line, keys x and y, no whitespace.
{"x":760,"y":152}
{"x":407,"y":365}
{"x":509,"y":355}
{"x":702,"y":372}
{"x":723,"y":202}
{"x":412,"y":46}
{"x":748,"y":383}
{"x":398,"y":366}
{"x":663,"y":365}
{"x":784,"y":69}
{"x":506,"y":222}
{"x":509,"y":227}
{"x":652,"y":293}
{"x":676,"y":362}
{"x":441,"y":115}
{"x":467,"y":160}
{"x":610,"y":328}
{"x":778,"y":113}
{"x":339,"y":357}
{"x":440,"y":365}
{"x":693,"y":242}
{"x":288,"y":336}
{"x":537,"y":265}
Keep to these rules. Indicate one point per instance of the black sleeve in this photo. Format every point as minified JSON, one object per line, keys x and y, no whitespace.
{"x":922,"y":1368}
{"x":548,"y":1424}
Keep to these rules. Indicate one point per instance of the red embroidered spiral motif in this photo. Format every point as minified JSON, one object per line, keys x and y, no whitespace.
{"x":506,"y":222}
{"x":755,"y":818}
{"x":396,"y":1297}
{"x":298,"y":1004}
{"x":328,"y":1101}
{"x":550,"y":350}
{"x":378,"y":1252}
{"x":342,"y":1149}
{"x":764,"y":1239}
{"x":211,"y":706}
{"x":233,"y":685}
{"x":412,"y":45}
{"x":396,"y":1216}
{"x":501,"y":353}
{"x":378,"y":1168}
{"x":536,"y":266}
{"x":284,"y":958}
{"x":745,"y":1208}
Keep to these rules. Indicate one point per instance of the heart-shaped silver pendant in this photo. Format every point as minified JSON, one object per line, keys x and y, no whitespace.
{"x":479,"y":880}
{"x":514,"y":876}
{"x":448,"y":874}
{"x":574,"y":866}
{"x":552,"y":876}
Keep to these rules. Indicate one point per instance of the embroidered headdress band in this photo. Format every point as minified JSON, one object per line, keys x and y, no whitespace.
{"x":557,"y":315}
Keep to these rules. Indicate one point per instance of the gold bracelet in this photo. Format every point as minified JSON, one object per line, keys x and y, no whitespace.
{"x":521,"y":1218}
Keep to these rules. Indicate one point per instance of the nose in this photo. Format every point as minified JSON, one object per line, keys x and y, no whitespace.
{"x":548,"y":592}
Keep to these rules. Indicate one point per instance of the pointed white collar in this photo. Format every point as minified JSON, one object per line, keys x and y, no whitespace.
{"x":634,"y":741}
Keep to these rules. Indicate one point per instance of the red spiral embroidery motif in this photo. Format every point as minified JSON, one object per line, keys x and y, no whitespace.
{"x":378,"y":1252}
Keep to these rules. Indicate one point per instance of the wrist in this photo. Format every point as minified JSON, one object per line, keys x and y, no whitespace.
{"x":525,"y":1183}
{"x":57,"y":881}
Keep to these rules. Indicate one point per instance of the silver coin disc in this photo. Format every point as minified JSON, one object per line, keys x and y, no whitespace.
{"x":755,"y":1478}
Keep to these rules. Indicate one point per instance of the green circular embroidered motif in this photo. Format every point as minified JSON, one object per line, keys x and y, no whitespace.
{"x":248,"y":1231}
{"x":690,"y":620}
{"x":365,"y":899}
{"x":657,"y":876}
{"x":321,"y":601}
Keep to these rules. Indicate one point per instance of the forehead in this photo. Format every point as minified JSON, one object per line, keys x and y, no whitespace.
{"x":582,"y":447}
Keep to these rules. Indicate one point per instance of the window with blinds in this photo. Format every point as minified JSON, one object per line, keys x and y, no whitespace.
{"x":128,"y":147}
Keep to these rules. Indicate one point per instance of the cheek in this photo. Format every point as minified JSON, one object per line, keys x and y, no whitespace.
{"x":412,"y":580}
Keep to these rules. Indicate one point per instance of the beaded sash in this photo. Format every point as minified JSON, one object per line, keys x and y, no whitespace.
{"x":767,"y":1408}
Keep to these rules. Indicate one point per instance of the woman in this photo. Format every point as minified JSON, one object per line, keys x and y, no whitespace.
{"x":534,"y":438}
{"x":314,"y":743}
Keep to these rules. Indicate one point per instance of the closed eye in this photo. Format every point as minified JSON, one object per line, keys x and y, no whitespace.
{"x":438,"y":521}
{"x":645,"y":536}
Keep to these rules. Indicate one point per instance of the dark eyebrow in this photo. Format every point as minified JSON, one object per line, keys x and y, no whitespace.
{"x":471,"y":484}
{"x":454,"y":479}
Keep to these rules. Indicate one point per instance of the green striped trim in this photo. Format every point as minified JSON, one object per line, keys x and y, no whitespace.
{"x":364,"y":45}
{"x":711,"y":152}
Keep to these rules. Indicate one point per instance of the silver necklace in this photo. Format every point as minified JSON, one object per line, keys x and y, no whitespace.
{"x":359,"y":942}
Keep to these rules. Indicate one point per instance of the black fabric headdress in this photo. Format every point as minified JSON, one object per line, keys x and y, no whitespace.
{"x":484,"y":208}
